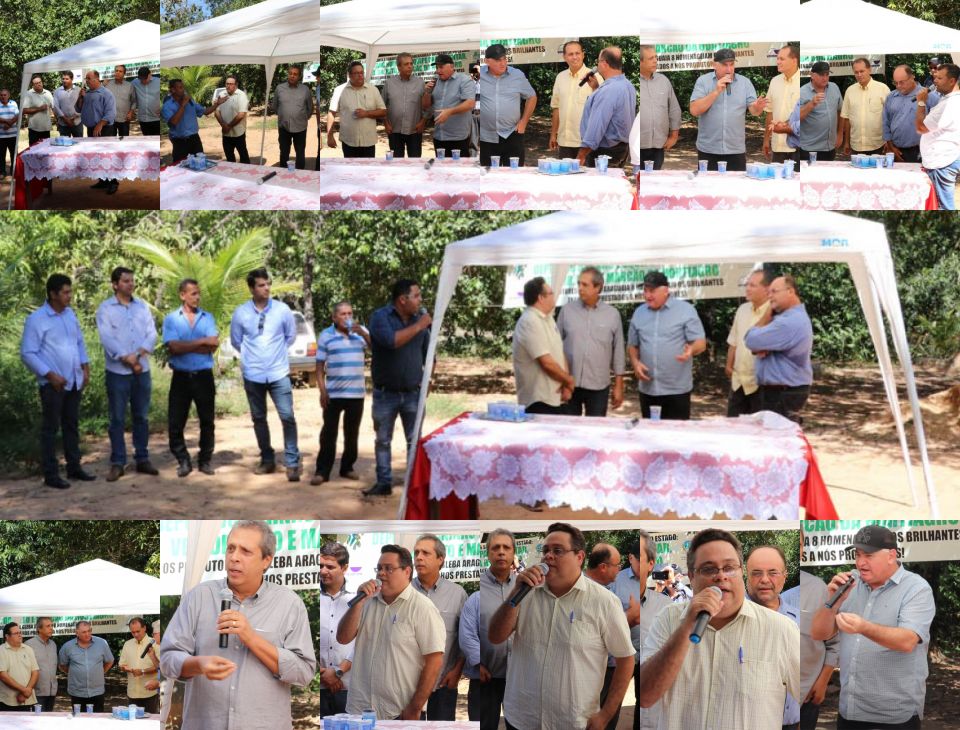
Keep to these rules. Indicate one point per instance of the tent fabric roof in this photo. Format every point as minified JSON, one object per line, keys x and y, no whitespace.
{"x":136,"y":39}
{"x":825,"y":27}
{"x":96,"y":588}
{"x":293,"y":30}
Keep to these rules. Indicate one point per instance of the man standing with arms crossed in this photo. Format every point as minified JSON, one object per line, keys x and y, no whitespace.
{"x":744,"y":392}
{"x":45,"y":650}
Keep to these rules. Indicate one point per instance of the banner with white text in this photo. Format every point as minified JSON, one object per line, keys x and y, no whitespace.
{"x":830,"y":542}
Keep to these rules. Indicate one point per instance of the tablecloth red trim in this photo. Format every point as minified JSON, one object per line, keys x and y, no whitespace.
{"x":20,"y":186}
{"x":814,"y":497}
{"x":932,"y":203}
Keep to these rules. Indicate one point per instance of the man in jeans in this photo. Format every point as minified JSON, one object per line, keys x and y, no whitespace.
{"x":128,"y":336}
{"x":66,"y":102}
{"x":191,"y":337}
{"x":52,"y":348}
{"x":261,"y":330}
{"x":399,"y":335}
{"x":940,"y":135}
{"x":294,"y":104}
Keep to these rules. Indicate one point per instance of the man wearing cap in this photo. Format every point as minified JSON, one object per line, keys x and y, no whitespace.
{"x":928,"y":77}
{"x":404,"y":120}
{"x":451,"y":96}
{"x":569,"y":95}
{"x":821,"y":127}
{"x":862,"y":112}
{"x":656,"y":127}
{"x":900,"y":133}
{"x":744,"y":395}
{"x":592,"y":334}
{"x":783,"y":92}
{"x":884,"y":628}
{"x":940,"y":135}
{"x":781,"y":341}
{"x":665,"y":334}
{"x":502,"y":124}
{"x":608,"y":114}
{"x":720,"y":100}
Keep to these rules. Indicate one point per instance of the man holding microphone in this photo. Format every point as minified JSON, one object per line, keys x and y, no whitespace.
{"x":884,"y":635}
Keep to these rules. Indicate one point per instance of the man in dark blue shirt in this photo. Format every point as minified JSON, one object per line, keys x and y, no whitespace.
{"x":399,"y":335}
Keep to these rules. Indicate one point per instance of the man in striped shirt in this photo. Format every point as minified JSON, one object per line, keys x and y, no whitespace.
{"x":340,"y":380}
{"x":9,"y":116}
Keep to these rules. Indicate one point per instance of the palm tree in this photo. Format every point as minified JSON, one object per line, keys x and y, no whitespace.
{"x":197,"y":80}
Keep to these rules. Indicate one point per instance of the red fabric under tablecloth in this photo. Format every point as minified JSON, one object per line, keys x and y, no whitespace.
{"x":20,"y":187}
{"x":814,"y":497}
{"x":932,"y":203}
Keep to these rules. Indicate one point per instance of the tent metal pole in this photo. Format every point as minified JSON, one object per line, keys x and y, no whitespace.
{"x":266,"y":109}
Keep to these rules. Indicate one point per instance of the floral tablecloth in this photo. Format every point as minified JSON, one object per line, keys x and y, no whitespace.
{"x":64,"y":721}
{"x":94,"y":157}
{"x":233,"y":186}
{"x":679,"y":190}
{"x":757,"y":466}
{"x":840,"y":186}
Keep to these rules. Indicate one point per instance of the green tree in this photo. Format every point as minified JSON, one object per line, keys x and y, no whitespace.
{"x":198,"y":81}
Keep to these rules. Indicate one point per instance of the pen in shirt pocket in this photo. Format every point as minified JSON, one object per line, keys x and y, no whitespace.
{"x":571,"y":617}
{"x":741,"y":655}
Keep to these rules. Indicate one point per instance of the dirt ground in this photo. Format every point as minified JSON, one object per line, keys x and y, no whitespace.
{"x":858,"y":455}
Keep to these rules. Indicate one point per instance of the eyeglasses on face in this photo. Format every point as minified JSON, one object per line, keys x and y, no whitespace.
{"x":711,"y":571}
{"x":772,"y":574}
{"x":388,"y":569}
{"x":557,"y":551}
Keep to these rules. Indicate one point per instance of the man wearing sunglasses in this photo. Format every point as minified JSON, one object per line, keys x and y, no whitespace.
{"x":556,"y":684}
{"x":399,"y":645}
{"x":745,"y":663}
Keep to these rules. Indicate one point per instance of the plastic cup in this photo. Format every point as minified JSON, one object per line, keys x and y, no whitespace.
{"x":813,"y":158}
{"x":788,"y":169}
{"x":878,"y":161}
{"x":455,"y":154}
{"x":514,"y":163}
{"x":554,"y":166}
{"x":389,"y":155}
{"x":494,"y":160}
{"x":574,"y":164}
{"x":648,"y":165}
{"x":655,"y":413}
{"x":89,"y":709}
{"x":76,"y":709}
{"x":543,"y":165}
{"x":37,"y":708}
{"x":441,"y":154}
{"x":721,"y":166}
{"x":291,"y":165}
{"x":564,"y":166}
{"x":890,"y":159}
{"x":602,"y":163}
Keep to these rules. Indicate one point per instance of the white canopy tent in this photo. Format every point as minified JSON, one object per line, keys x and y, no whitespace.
{"x":286,"y":31}
{"x":825,"y":29}
{"x":655,"y":237}
{"x":94,"y":588}
{"x":133,"y":40}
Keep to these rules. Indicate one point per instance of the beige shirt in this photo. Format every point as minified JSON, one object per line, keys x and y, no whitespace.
{"x":236,"y":103}
{"x":388,"y":654}
{"x":744,"y":368}
{"x":358,"y":132}
{"x":536,"y":335}
{"x":559,"y":656}
{"x":569,"y":97}
{"x":736,"y":677}
{"x":19,"y":664}
{"x":130,"y":657}
{"x":783,"y":96}
{"x":864,"y":109}
{"x":38,"y":121}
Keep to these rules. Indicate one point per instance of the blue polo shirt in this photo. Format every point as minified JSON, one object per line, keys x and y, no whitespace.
{"x":818,"y":132}
{"x":721,"y":129}
{"x":609,"y":113}
{"x":501,"y":102}
{"x":85,"y":665}
{"x":899,"y":116}
{"x":788,"y":342}
{"x":176,"y":326}
{"x":262,"y":339}
{"x":188,"y":124}
{"x":660,"y":335}
{"x":396,"y":368}
{"x":54,"y":342}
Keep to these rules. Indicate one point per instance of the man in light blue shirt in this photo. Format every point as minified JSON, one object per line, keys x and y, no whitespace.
{"x":502,"y":124}
{"x":191,"y":337}
{"x":146,"y":100}
{"x":66,"y":98}
{"x":608,"y":114}
{"x":128,"y":335}
{"x":782,"y":341}
{"x":900,"y":133}
{"x":261,"y":330}
{"x":720,"y":100}
{"x":452,"y":98}
{"x":821,"y":126}
{"x":664,"y":335}
{"x":85,"y":660}
{"x":98,"y":116}
{"x":52,"y":348}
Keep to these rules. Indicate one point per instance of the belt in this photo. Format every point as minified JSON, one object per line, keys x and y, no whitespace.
{"x":397,"y":390}
{"x":192,"y":373}
{"x":783,"y":387}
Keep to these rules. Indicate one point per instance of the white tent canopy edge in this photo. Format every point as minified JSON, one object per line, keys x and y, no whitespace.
{"x":728,"y":236}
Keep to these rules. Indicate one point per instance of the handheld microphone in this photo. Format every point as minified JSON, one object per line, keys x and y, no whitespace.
{"x":526,"y":588}
{"x":144,"y":655}
{"x":703,"y":618}
{"x":226,"y":600}
{"x":429,"y":163}
{"x":589,"y":73}
{"x":836,"y":596}
{"x":360,"y":596}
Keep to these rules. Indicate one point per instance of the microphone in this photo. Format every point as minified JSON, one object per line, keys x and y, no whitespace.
{"x":144,"y":655}
{"x":226,"y":600}
{"x":526,"y":588}
{"x":703,"y":618}
{"x":429,"y":163}
{"x":360,"y":596}
{"x":836,"y":596}
{"x":590,"y":73}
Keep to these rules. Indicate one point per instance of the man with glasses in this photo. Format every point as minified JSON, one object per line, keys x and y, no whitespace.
{"x":139,"y":660}
{"x":45,"y":650}
{"x":766,"y":574}
{"x":19,"y":672}
{"x":884,"y":628}
{"x":740,"y":671}
{"x":900,"y":133}
{"x":335,"y":659}
{"x":85,"y":660}
{"x":744,"y":397}
{"x":399,"y":642}
{"x":603,"y":565}
{"x":98,"y":116}
{"x":261,"y":330}
{"x":556,"y":684}
{"x":486,"y":663}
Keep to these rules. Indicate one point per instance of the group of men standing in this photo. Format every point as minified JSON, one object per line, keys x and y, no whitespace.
{"x":564,"y":366}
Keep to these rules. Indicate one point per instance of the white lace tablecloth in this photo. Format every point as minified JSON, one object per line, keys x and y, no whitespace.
{"x":233,"y":186}
{"x":63,"y":721}
{"x":447,"y":185}
{"x":94,"y":157}
{"x":840,"y":186}
{"x":747,"y":467}
{"x":428,"y":725}
{"x":678,"y":190}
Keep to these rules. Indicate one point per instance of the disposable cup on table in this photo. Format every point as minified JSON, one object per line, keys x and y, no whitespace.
{"x":494,"y":160}
{"x":389,"y":155}
{"x":291,"y":165}
{"x":455,"y":155}
{"x":37,"y":708}
{"x":76,"y":709}
{"x":890,"y":159}
{"x":702,"y":165}
{"x":813,"y":158}
{"x":553,"y":167}
{"x":648,"y":165}
{"x":514,"y":163}
{"x":721,"y":166}
{"x":89,"y":709}
{"x":543,"y":165}
{"x":655,"y":413}
{"x":788,"y":169}
{"x":565,"y":166}
{"x":574,"y":164}
{"x":441,"y":154}
{"x":602,"y":163}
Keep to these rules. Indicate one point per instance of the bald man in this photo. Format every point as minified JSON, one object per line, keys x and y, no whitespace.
{"x":602,"y":567}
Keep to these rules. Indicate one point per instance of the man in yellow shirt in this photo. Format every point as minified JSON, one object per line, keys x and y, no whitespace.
{"x":783,"y":94}
{"x":744,"y":390}
{"x":566,"y":102}
{"x":19,"y":671}
{"x":139,"y":659}
{"x":862,"y":112}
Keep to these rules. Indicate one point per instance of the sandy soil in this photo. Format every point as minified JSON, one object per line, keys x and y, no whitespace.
{"x":862,"y":467}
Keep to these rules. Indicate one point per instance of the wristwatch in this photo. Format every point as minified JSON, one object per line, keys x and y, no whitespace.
{"x":921,"y":104}
{"x":338,"y":672}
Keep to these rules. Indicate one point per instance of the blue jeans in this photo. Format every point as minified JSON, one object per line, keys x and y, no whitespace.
{"x":442,"y":704}
{"x":944,"y":181}
{"x":281,"y":393}
{"x":387,"y":404}
{"x":135,"y":390}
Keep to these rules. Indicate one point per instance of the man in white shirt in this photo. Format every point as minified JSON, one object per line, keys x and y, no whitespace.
{"x":232,"y":115}
{"x":744,"y":391}
{"x":940,"y":134}
{"x":334,"y":660}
